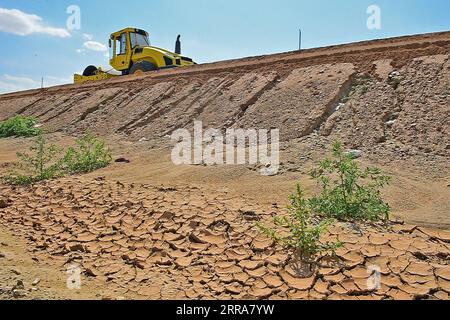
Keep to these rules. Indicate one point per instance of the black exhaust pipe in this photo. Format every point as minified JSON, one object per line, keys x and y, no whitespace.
{"x":178,"y":45}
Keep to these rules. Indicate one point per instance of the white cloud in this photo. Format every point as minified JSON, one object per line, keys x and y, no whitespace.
{"x":20,"y":23}
{"x":95,"y":46}
{"x":9,"y":83}
{"x":88,"y":36}
{"x":50,"y":81}
{"x":6,"y":87}
{"x":19,"y":80}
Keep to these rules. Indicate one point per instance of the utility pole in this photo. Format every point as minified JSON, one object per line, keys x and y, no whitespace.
{"x":299,"y":39}
{"x":42,"y":83}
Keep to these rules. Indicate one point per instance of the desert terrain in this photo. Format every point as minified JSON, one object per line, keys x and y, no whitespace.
{"x":147,"y":229}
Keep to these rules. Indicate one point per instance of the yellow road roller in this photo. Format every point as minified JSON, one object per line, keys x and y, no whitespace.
{"x":131,"y":53}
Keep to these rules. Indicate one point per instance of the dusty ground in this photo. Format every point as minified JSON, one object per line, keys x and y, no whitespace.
{"x":143,"y":241}
{"x":24,"y":276}
{"x":149,"y":229}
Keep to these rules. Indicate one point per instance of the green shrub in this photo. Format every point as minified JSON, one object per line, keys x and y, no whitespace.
{"x":395,"y":81}
{"x":41,"y":163}
{"x":89,"y":155}
{"x":46,"y":162}
{"x":349,"y":193}
{"x":300,"y":231}
{"x":19,"y":126}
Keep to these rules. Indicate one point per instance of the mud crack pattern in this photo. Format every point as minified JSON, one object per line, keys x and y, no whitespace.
{"x":188,"y":243}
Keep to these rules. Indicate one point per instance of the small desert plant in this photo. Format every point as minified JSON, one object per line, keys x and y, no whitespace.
{"x":300,"y":231}
{"x":19,"y":126}
{"x":89,"y":155}
{"x":41,"y":163}
{"x":395,"y":81}
{"x":364,"y":89}
{"x":46,"y":162}
{"x":349,"y":193}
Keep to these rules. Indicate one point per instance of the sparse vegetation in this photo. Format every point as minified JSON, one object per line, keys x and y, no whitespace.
{"x":41,"y":163}
{"x":90,"y":154}
{"x":395,"y":80}
{"x":395,"y":83}
{"x":19,"y":126}
{"x":364,"y":89}
{"x":300,"y":231}
{"x":349,"y":193}
{"x":361,"y":85}
{"x":46,"y":162}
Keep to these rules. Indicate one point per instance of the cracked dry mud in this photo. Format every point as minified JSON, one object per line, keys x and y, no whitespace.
{"x":166,"y":243}
{"x":195,"y":237}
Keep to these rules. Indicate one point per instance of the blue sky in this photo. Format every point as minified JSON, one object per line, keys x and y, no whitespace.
{"x":35,"y":42}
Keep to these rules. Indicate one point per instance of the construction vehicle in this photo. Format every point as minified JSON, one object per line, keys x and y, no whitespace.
{"x":131,"y":53}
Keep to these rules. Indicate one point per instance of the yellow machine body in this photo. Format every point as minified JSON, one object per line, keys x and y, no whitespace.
{"x":100,"y":75}
{"x":131,"y":53}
